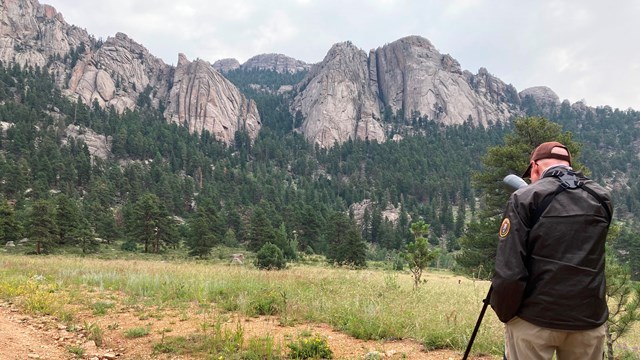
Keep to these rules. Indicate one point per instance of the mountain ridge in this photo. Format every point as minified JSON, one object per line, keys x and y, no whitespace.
{"x":118,"y":72}
{"x":346,"y":96}
{"x":279,"y":63}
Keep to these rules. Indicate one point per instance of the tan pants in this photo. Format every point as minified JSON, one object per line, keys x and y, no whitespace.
{"x":525,"y":341}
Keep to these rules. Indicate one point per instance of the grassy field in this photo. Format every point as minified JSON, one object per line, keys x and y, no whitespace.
{"x":367,"y":304}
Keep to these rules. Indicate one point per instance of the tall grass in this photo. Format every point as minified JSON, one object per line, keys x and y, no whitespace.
{"x":368,"y":304}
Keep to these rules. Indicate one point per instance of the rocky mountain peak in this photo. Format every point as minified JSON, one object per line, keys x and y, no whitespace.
{"x":340,"y":98}
{"x":226,"y":65}
{"x":120,"y":72}
{"x":415,"y":78}
{"x":31,"y":33}
{"x":546,"y":99}
{"x":416,"y":41}
{"x":275,"y":62}
{"x":116,"y":73}
{"x":408,"y":76}
{"x":335,"y":99}
{"x":202,"y":99}
{"x":50,"y":12}
{"x":345,"y":51}
{"x":541,"y":94}
{"x":271,"y":62}
{"x":182,"y":60}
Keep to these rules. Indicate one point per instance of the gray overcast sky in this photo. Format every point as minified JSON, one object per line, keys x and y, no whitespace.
{"x":582,"y":49}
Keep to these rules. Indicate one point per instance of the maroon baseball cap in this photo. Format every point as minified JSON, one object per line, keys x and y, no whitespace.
{"x":545,"y":151}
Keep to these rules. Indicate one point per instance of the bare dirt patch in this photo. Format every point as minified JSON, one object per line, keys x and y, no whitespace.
{"x":24,"y":337}
{"x":31,"y":337}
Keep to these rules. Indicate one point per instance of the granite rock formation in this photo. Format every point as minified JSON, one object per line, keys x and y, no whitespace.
{"x":33,"y":34}
{"x":342,"y":96}
{"x":335,"y":99}
{"x":202,"y":99}
{"x":117,"y":73}
{"x":120,"y":72}
{"x":275,"y":62}
{"x":226,"y":65}
{"x":266,"y":62}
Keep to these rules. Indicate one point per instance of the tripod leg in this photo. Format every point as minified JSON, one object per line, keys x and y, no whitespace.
{"x":478,"y":322}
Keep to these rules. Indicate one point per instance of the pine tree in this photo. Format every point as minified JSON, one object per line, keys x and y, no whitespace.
{"x":67,"y":218}
{"x":403,"y":228}
{"x":376,"y":224}
{"x":9,"y":225}
{"x":150,"y":224}
{"x":309,"y":229}
{"x":83,"y":165}
{"x":419,"y":254}
{"x":346,"y":246}
{"x":366,"y":225}
{"x":98,"y":205}
{"x":201,"y":237}
{"x":627,"y":251}
{"x":42,"y":229}
{"x":623,"y":295}
{"x":167,"y":234}
{"x":261,"y":231}
{"x":283,"y":241}
{"x":85,"y":237}
{"x":513,"y":158}
{"x":230,"y":238}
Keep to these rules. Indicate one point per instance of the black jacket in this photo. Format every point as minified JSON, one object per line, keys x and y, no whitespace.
{"x":550,"y":272}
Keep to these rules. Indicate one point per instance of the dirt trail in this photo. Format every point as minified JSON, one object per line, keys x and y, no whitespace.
{"x":27,"y":337}
{"x":23,"y":337}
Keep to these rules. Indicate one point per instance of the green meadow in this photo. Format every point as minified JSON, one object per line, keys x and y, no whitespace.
{"x":367,"y":304}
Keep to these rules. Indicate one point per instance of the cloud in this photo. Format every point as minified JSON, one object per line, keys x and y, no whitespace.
{"x":275,"y":30}
{"x":456,"y":8}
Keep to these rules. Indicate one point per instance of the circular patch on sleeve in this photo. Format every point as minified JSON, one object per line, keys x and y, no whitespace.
{"x":505,"y":227}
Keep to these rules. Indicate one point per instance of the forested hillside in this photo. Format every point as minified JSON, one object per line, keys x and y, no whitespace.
{"x":161,"y":186}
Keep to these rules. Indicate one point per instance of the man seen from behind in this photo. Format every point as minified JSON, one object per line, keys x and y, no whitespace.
{"x":549,"y":282}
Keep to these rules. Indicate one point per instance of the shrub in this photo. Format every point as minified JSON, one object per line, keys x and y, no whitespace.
{"x":129,"y":245}
{"x":270,"y":257}
{"x":136,"y":332}
{"x":262,"y":348}
{"x":267,"y":303}
{"x":94,"y":332}
{"x":78,"y":351}
{"x":398,"y":263}
{"x":101,"y":308}
{"x":310,"y":347}
{"x":221,"y":342}
{"x":178,"y":344}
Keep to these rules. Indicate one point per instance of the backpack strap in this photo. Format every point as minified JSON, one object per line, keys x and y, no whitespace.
{"x":544,"y":204}
{"x":604,"y":205}
{"x":568,"y":181}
